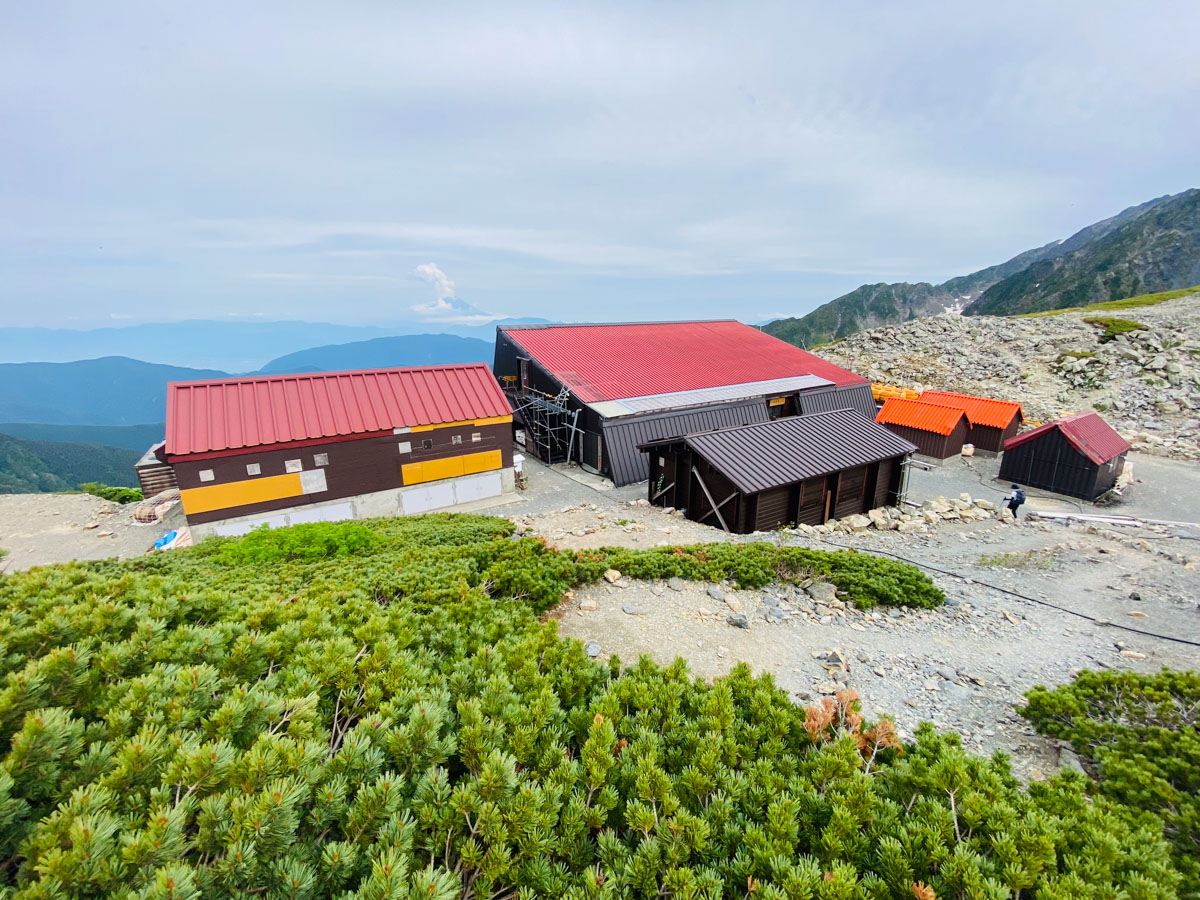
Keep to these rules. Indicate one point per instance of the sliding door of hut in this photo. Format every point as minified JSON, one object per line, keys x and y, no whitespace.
{"x":851,"y":487}
{"x":811,"y":504}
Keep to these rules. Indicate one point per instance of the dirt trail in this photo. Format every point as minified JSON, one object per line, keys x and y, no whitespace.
{"x":37,"y":529}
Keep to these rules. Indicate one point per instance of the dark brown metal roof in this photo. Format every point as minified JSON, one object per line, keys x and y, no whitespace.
{"x":623,"y":436}
{"x":760,"y":457}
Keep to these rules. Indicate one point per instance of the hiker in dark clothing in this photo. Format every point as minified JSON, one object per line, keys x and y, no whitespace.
{"x":1015,"y":499}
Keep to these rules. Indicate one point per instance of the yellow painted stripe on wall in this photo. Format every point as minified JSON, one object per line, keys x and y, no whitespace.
{"x":240,"y":493}
{"x":451,"y":467}
{"x":478,"y":423}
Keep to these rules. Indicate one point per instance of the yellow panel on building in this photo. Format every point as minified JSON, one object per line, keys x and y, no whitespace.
{"x":240,"y":493}
{"x":478,"y":423}
{"x":451,"y":467}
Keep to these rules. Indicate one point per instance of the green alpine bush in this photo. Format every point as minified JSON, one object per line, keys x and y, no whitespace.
{"x":115,"y":494}
{"x":393,"y":721}
{"x":1139,"y":737}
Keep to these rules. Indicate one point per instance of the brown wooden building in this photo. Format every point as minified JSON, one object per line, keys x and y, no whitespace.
{"x":286,"y":449}
{"x":938,"y":432}
{"x":807,"y":469}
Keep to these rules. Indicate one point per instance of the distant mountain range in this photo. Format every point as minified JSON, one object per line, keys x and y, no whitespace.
{"x":112,"y":390}
{"x":228,"y":346}
{"x":41,"y":466}
{"x":116,"y":390}
{"x":384,"y":352}
{"x":125,"y":437}
{"x":1151,"y":247}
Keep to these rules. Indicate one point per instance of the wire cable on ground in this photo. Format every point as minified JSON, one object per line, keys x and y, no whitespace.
{"x":1103,"y":623}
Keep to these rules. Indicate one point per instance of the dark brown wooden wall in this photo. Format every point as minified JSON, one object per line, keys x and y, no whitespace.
{"x":359,"y":466}
{"x":930,"y":443}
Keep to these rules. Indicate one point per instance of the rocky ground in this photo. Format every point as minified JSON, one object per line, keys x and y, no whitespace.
{"x":37,"y":529}
{"x":964,"y":666}
{"x":1146,"y":383}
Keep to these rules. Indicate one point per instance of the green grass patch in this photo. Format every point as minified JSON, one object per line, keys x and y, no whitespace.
{"x":1110,"y":326}
{"x":1075,"y":354}
{"x":1111,"y":305}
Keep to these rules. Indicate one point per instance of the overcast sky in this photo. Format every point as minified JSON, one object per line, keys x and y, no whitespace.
{"x":369,"y":162}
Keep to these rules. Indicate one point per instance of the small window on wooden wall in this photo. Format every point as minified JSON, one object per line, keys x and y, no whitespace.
{"x":320,"y":459}
{"x":293,"y":465}
{"x":427,"y":444}
{"x":404,"y":446}
{"x":476,"y":437}
{"x":207,"y":475}
{"x":253,"y":469}
{"x":456,"y":439}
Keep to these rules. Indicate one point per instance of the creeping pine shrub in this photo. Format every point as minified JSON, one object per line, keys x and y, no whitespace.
{"x":398,"y":724}
{"x":108,"y":492}
{"x":315,"y":540}
{"x":867,"y":580}
{"x":1139,"y":737}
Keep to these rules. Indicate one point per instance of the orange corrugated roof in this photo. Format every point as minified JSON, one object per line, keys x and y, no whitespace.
{"x":979,"y":410}
{"x":914,"y":414}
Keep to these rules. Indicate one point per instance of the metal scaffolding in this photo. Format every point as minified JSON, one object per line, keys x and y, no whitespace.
{"x":550,"y":425}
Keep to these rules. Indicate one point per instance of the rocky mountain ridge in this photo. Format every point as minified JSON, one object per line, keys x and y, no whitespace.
{"x":1153,"y":246}
{"x":1145,"y":381}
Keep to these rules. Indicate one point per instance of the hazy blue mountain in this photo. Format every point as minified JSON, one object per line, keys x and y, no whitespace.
{"x":873,"y":305}
{"x":113,"y":390}
{"x":230,"y":346}
{"x":385,"y":352}
{"x":1156,"y":250}
{"x":39,"y":466}
{"x":127,"y":437}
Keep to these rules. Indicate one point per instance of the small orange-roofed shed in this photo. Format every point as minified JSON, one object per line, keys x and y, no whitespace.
{"x":938,"y":431}
{"x":992,"y":421}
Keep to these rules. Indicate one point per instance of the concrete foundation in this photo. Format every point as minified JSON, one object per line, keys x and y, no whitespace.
{"x":467,"y":493}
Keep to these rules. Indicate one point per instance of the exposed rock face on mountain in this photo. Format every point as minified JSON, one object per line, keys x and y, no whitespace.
{"x":1151,"y":247}
{"x":1156,"y":250}
{"x":1145,"y":382}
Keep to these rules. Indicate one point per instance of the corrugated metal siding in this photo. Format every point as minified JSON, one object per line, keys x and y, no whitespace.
{"x":1052,"y":464}
{"x":764,"y":456}
{"x":857,"y":397}
{"x":627,"y":464}
{"x":932,"y":444}
{"x":612,"y":362}
{"x":227,"y":414}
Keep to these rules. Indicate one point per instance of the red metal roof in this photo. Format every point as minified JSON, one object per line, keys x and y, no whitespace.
{"x":616,"y":362}
{"x":979,"y":410}
{"x":915,"y":414}
{"x":229,"y":414}
{"x":1086,"y":432}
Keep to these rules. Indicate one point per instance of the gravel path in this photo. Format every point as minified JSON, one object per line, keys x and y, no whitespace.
{"x":37,"y":529}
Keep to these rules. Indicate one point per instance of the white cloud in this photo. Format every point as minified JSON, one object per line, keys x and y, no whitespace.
{"x":443,"y":287}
